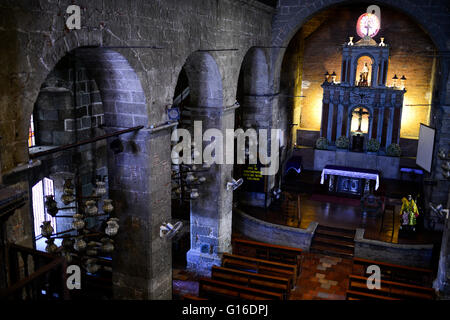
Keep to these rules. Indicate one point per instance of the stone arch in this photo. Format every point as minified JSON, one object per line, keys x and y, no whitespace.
{"x":132,"y":172}
{"x":211,"y":212}
{"x":253,"y":92}
{"x":205,"y":80}
{"x":285,"y":29}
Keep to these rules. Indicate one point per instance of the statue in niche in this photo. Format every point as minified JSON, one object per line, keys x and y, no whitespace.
{"x":364,"y":76}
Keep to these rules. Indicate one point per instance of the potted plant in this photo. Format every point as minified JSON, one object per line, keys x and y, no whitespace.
{"x":342,"y":143}
{"x":322,"y":143}
{"x":394,"y":150}
{"x":373,"y":146}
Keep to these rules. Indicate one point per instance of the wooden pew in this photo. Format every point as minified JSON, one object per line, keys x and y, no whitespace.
{"x":396,"y":273}
{"x":191,"y":297}
{"x":267,"y":251}
{"x":255,"y":265}
{"x":357,"y":295}
{"x":252,"y":280}
{"x":391,"y":289}
{"x":214,"y":289}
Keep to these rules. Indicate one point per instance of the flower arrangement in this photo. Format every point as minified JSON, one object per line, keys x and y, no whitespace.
{"x":342,"y":142}
{"x":394,"y":150}
{"x":373,"y":145}
{"x":322,"y":143}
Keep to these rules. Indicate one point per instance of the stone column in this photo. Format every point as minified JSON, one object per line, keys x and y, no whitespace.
{"x":442,"y":282}
{"x":140,"y":186}
{"x":258,"y":114}
{"x":211,"y":213}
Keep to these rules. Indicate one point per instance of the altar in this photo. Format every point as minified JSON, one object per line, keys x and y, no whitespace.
{"x":348,"y":180}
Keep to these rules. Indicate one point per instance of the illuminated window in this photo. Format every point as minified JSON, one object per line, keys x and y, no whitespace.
{"x":31,"y":137}
{"x":39,"y":191}
{"x":360,"y":120}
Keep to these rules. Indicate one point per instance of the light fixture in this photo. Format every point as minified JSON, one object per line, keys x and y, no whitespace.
{"x":333,"y":77}
{"x":168,"y":230}
{"x":394,"y":81}
{"x":327,"y":77}
{"x":382,"y":44}
{"x":403,"y":81}
{"x":233,"y":185}
{"x":194,"y":194}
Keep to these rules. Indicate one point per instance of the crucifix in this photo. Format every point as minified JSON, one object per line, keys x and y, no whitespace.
{"x":360,"y":113}
{"x":368,"y":26}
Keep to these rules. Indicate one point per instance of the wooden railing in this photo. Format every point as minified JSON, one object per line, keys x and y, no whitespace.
{"x":35,"y":275}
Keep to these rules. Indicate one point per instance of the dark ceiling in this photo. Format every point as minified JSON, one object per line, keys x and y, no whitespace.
{"x":272,"y":3}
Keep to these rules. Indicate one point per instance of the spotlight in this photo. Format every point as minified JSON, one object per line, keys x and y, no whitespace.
{"x":233,"y":185}
{"x":168,"y":231}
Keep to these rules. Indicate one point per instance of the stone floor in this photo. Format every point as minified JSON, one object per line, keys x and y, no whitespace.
{"x":322,"y":278}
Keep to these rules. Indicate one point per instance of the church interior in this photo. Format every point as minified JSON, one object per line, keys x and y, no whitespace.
{"x":118,"y":182}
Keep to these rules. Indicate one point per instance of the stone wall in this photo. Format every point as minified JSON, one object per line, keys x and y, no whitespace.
{"x":389,"y":167}
{"x":263,"y":231}
{"x":132,"y":43}
{"x":298,"y":15}
{"x":402,"y":254}
{"x":442,"y":282}
{"x":321,"y":52}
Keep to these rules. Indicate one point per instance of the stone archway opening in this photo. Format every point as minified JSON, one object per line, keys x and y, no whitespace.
{"x":90,"y":93}
{"x":199,"y":97}
{"x":314,"y":51}
{"x":255,"y":113}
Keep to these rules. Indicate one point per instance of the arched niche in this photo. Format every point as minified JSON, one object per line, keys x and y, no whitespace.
{"x":359,"y":119}
{"x":364,"y":71}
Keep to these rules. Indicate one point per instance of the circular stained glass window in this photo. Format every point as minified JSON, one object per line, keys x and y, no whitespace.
{"x":368,"y":23}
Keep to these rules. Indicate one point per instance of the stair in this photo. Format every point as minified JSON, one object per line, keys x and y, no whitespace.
{"x":333,"y":241}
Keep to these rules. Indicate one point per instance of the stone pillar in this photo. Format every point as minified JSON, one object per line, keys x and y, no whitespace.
{"x":257,"y":114}
{"x":442,"y":282}
{"x":211,"y":213}
{"x":140,"y":186}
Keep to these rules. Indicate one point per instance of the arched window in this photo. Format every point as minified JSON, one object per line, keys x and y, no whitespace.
{"x":360,"y":120}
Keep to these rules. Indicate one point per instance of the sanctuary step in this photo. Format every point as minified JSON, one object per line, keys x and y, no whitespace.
{"x":333,"y":241}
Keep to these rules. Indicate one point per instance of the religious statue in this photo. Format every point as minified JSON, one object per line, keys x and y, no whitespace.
{"x":409,"y":213}
{"x":364,"y":76}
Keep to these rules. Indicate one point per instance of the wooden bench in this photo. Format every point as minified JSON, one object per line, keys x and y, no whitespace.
{"x":253,"y":280}
{"x":391,"y":289}
{"x":191,"y":297}
{"x":266,"y":251}
{"x":393,"y":272}
{"x":215,"y":289}
{"x":260,"y":266}
{"x":357,"y":295}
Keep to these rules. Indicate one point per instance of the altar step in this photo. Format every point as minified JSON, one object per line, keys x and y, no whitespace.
{"x":333,"y":241}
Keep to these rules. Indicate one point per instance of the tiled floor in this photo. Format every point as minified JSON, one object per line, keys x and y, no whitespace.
{"x":322,"y":278}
